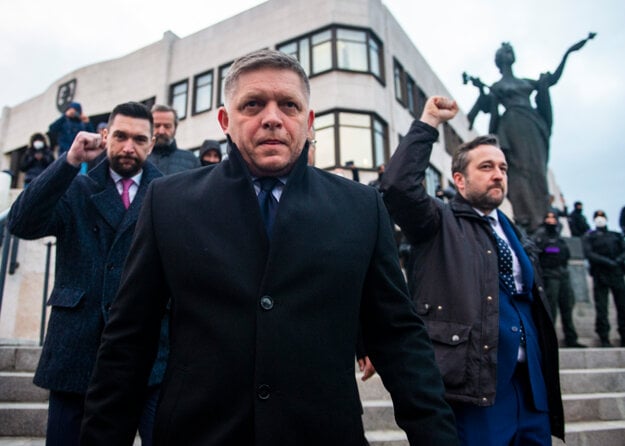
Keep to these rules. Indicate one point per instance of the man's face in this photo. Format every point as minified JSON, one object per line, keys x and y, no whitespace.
{"x":129,"y":142}
{"x":485,"y":181}
{"x":268,"y":118}
{"x":164,"y":127}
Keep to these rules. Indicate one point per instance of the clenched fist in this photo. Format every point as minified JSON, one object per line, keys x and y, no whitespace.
{"x":86,"y":147}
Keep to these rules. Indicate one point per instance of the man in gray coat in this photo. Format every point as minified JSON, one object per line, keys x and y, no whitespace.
{"x":93,"y":217}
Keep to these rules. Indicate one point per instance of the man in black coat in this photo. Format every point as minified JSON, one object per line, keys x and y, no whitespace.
{"x":475,"y":284}
{"x":93,"y":230}
{"x":265,"y":304}
{"x":605,"y":251}
{"x":554,"y":255}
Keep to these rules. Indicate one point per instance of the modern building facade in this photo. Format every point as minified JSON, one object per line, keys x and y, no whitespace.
{"x":368,"y":83}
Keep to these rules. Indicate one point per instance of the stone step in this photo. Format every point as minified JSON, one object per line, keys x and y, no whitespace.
{"x":588,"y":358}
{"x":387,"y":438}
{"x":605,"y":433}
{"x":19,"y":387}
{"x":590,"y":407}
{"x":23,"y":419}
{"x":604,"y":380}
{"x":19,"y":358}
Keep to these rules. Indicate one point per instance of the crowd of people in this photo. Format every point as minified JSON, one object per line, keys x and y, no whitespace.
{"x":209,"y":301}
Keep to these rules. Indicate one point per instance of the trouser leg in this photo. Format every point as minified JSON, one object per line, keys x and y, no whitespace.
{"x":65,"y":412}
{"x":600,"y":291}
{"x":566,"y":299}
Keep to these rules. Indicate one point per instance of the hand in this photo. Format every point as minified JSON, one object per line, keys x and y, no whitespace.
{"x":367,"y":369}
{"x":86,"y":147}
{"x":438,"y":109}
{"x":84,"y":118}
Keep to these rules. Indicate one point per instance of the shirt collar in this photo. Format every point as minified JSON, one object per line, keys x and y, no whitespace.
{"x":116,"y":177}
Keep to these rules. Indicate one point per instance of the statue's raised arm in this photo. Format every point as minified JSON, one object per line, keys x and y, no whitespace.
{"x":552,"y":79}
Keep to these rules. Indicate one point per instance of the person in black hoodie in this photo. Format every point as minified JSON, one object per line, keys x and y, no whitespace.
{"x":553,"y":255}
{"x":605,"y":251}
{"x":210,"y":152}
{"x":37,"y":157}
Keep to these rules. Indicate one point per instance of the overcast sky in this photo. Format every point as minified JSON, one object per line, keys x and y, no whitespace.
{"x":42,"y":40}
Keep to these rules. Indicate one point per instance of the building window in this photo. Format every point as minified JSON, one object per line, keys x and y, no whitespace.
{"x":407,"y":92}
{"x":203,"y":92}
{"x":178,"y":98}
{"x":432,"y":180}
{"x":452,"y":140}
{"x":339,"y":48}
{"x":350,"y":136}
{"x":223,"y":70}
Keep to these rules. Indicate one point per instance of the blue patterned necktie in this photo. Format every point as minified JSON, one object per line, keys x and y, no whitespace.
{"x":504,"y":260}
{"x":266,"y":200}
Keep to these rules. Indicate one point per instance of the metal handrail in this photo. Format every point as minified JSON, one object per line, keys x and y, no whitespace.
{"x":5,"y":238}
{"x":8,"y":262}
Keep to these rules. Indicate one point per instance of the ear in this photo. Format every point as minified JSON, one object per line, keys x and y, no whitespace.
{"x":222,"y":117}
{"x":459,"y":181}
{"x":311,"y":119}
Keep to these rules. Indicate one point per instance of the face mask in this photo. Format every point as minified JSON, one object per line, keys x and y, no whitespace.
{"x":551,"y":227}
{"x":38,"y":145}
{"x":601,"y":222}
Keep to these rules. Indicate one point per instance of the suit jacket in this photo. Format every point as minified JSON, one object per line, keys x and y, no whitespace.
{"x":263,"y":334}
{"x":93,"y":233}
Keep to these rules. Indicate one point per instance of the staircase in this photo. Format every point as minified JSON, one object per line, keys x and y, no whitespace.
{"x":593,"y":386}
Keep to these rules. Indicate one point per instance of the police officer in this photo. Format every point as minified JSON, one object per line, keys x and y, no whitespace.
{"x":554,"y":254}
{"x":605,"y":250}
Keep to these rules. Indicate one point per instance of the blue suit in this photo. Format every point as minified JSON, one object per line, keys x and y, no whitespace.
{"x":520,"y":413}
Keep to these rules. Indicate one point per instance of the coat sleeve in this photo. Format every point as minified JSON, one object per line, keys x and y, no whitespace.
{"x":129,"y":342}
{"x":40,"y":209}
{"x":400,"y":349}
{"x":411,"y":207}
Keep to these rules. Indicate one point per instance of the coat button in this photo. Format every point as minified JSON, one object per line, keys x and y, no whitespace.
{"x":110,"y":266}
{"x":266,"y":303}
{"x":514,"y":329}
{"x":107,"y":307}
{"x":455,"y":338}
{"x":489,"y":298}
{"x":263,"y":391}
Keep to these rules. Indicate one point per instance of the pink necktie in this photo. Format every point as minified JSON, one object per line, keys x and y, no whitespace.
{"x":126,"y":183}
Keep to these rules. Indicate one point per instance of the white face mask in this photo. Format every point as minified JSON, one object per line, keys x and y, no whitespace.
{"x":38,"y":144}
{"x":601,"y":222}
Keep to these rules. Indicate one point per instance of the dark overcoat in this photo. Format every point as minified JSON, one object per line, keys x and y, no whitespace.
{"x":93,"y":234}
{"x":263,"y":333}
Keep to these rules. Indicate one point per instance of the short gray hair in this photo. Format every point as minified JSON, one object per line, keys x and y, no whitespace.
{"x":260,"y":59}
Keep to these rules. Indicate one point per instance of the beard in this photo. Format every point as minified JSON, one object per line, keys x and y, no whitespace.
{"x":162,"y":141}
{"x":126,"y":166}
{"x":485,"y":201}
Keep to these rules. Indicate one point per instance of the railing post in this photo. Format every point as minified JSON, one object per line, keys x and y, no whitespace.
{"x":6,"y":244}
{"x":46,"y":279}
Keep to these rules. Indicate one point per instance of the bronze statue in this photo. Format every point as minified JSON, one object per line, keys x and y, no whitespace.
{"x":523,"y":131}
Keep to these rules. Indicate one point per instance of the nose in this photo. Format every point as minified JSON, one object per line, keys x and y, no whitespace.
{"x":272,"y":116}
{"x":129,"y":146}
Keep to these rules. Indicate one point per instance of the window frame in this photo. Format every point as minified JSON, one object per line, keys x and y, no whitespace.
{"x":172,"y":96}
{"x":194,"y":110}
{"x":334,"y":29}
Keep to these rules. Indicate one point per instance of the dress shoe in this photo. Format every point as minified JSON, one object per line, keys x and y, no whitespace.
{"x":575,"y":344}
{"x":605,"y":343}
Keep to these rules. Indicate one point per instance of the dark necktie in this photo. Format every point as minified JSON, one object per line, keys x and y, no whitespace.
{"x":266,"y":200}
{"x":504,"y":260}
